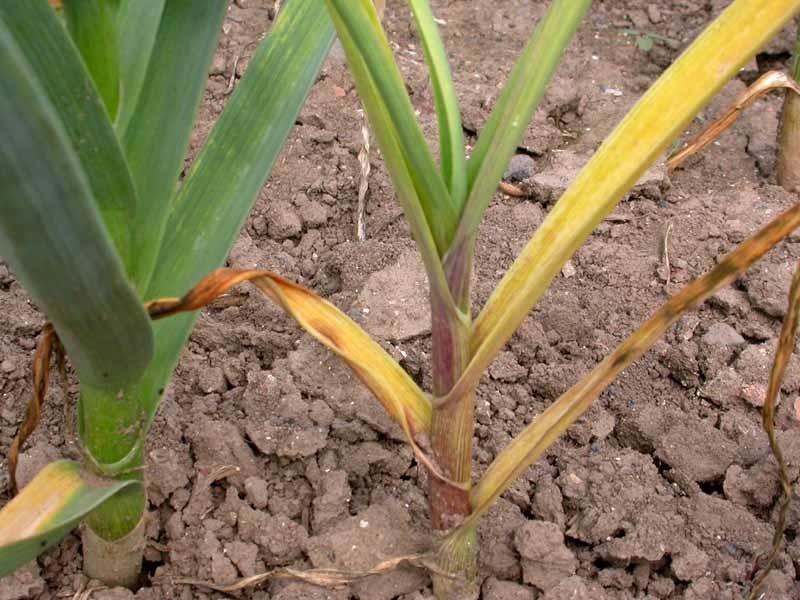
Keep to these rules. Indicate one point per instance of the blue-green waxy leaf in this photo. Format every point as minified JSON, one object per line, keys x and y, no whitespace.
{"x":52,"y":236}
{"x":220,"y":189}
{"x":57,"y":65}
{"x":137,"y":23}
{"x":93,"y":27}
{"x":157,"y":137}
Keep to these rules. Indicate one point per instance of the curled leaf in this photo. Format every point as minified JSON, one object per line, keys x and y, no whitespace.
{"x":48,"y":508}
{"x":391,"y":385}
{"x":769,"y":81}
{"x":325,"y":577}
{"x":48,"y":344}
{"x":782,"y":355}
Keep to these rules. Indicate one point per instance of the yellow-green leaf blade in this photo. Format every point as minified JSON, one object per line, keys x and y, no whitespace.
{"x":391,"y":385}
{"x":648,"y":129}
{"x":48,"y":508}
{"x":546,"y":428}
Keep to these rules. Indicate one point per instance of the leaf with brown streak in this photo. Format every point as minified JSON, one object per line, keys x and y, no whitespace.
{"x":539,"y":435}
{"x":391,"y":385}
{"x":782,"y":355}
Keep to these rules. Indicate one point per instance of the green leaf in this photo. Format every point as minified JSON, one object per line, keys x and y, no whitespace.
{"x":52,"y":236}
{"x":451,"y":134}
{"x":93,"y":26}
{"x":358,"y":21}
{"x":57,"y":65}
{"x":384,"y":129}
{"x":48,"y":508}
{"x":157,"y":137}
{"x":514,"y":109}
{"x":137,"y":23}
{"x":219,"y":191}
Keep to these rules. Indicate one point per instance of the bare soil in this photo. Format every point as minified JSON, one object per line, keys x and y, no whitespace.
{"x":664,"y":490}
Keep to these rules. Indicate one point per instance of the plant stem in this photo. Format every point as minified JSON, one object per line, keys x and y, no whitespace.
{"x":111,"y":427}
{"x":116,"y":563}
{"x":794,"y":66}
{"x":788,"y":163}
{"x":451,"y":432}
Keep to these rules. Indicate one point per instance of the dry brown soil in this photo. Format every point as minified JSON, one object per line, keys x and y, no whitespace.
{"x":665,"y":490}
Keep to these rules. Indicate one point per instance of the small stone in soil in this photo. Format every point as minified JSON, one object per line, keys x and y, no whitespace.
{"x":282,"y":221}
{"x":497,"y":589}
{"x":698,"y":450}
{"x":256,"y":489}
{"x":575,"y":588}
{"x":25,"y":582}
{"x":496,"y":532}
{"x":520,"y":168}
{"x":546,"y":560}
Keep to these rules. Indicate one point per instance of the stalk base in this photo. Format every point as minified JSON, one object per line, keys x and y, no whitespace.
{"x":117,"y":563}
{"x":788,"y":163}
{"x":457,"y":555}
